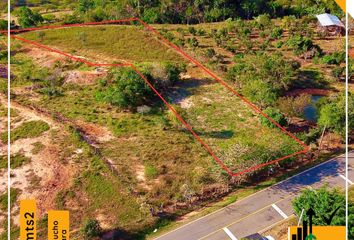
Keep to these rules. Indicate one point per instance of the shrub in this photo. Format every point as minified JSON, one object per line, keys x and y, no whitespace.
{"x":193,"y":42}
{"x":210,"y":52}
{"x":294,"y":106}
{"x":275,"y":115}
{"x":3,"y":24}
{"x":263,"y":21}
{"x":192,"y":31}
{"x":273,"y":71}
{"x":28,"y":18}
{"x":279,"y":44}
{"x":126,"y":89}
{"x":302,"y":46}
{"x":277,"y":33}
{"x":91,"y":229}
{"x":338,"y":72}
{"x":201,"y":32}
{"x":151,"y":172}
{"x":335,"y":58}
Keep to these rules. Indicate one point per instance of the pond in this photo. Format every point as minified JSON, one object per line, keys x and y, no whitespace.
{"x":311,"y":111}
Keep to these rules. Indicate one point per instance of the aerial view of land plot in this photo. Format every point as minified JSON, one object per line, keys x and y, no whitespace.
{"x":139,"y":117}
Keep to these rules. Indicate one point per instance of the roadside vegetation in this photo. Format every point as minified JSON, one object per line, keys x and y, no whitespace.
{"x":328,"y":205}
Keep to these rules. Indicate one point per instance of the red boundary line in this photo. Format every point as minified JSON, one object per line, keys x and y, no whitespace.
{"x":231,"y":173}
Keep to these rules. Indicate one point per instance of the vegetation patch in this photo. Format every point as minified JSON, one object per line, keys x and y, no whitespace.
{"x":14,"y":192}
{"x":30,"y":129}
{"x":17,"y":160}
{"x":119,"y":42}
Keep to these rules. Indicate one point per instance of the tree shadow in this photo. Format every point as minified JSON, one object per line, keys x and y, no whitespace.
{"x":223,"y":134}
{"x":310,"y":78}
{"x":183,"y":89}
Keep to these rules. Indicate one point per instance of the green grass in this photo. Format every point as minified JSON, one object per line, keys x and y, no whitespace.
{"x":17,"y":160}
{"x":13,"y":197}
{"x":28,"y":129}
{"x":118,"y":42}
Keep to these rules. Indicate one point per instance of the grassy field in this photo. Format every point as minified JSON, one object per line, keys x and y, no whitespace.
{"x":150,"y":163}
{"x":127,"y":43}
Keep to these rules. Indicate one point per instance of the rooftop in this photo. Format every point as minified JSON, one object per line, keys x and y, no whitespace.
{"x":329,"y":20}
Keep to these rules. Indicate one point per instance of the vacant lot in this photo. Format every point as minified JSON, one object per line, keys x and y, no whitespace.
{"x":140,"y":166}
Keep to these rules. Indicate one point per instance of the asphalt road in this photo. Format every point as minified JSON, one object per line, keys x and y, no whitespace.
{"x":264,"y":208}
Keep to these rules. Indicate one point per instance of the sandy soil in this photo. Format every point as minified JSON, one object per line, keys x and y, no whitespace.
{"x":44,"y":176}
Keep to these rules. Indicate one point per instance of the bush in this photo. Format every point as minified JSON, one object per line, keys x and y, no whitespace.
{"x":193,"y":42}
{"x":275,"y":115}
{"x":201,"y":32}
{"x":210,"y":52}
{"x":192,"y":31}
{"x":3,"y":24}
{"x":263,"y":21}
{"x":324,"y":202}
{"x":279,"y":44}
{"x":335,"y":58}
{"x":263,"y":74}
{"x":91,"y":229}
{"x":28,"y":18}
{"x":126,"y":90}
{"x":301,"y":45}
{"x":277,"y":33}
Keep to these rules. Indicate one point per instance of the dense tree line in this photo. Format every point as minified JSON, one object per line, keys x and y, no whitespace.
{"x":184,"y":11}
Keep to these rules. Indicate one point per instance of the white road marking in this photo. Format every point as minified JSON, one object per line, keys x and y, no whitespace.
{"x":346,"y":179}
{"x":279,"y":211}
{"x":229,"y":233}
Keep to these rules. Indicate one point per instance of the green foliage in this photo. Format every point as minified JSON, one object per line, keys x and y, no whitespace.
{"x":28,"y":18}
{"x":192,"y":30}
{"x":210,"y":52}
{"x":91,"y":229}
{"x":3,"y":24}
{"x":277,"y":33}
{"x":151,"y":172}
{"x":263,"y":21}
{"x":312,"y":136}
{"x":263,"y":77}
{"x":324,"y":202}
{"x":16,"y":160}
{"x":28,"y":129}
{"x":275,"y":115}
{"x":335,"y":58}
{"x":193,"y":42}
{"x":294,"y":106}
{"x":14,"y":192}
{"x":151,"y":15}
{"x":300,"y":45}
{"x":332,"y":112}
{"x":125,"y":89}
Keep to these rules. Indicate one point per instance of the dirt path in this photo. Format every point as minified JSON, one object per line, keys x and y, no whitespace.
{"x":44,"y":176}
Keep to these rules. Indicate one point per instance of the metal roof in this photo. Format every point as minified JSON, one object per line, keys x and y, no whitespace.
{"x":329,"y":20}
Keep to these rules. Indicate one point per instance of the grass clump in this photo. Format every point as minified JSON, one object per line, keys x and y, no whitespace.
{"x":17,"y":161}
{"x":14,"y":192}
{"x":28,"y":129}
{"x":151,"y":171}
